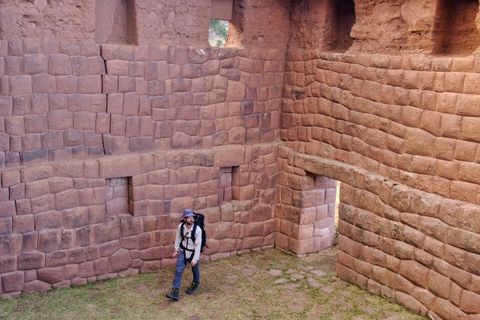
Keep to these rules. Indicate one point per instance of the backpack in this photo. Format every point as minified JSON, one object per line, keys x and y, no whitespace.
{"x":199,"y":221}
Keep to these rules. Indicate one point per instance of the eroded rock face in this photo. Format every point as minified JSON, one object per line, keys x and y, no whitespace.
{"x":393,"y":25}
{"x":116,"y":115}
{"x":70,"y":20}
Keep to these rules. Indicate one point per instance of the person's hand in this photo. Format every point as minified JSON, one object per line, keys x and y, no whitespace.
{"x":194,"y":263}
{"x":175,"y":254}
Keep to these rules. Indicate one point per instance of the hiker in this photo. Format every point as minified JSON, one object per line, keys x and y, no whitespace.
{"x":188,"y":245}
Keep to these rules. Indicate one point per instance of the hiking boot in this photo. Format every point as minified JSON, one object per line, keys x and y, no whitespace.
{"x":193,"y":287}
{"x":173,"y":294}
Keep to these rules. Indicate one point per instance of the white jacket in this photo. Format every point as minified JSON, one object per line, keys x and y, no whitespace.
{"x":187,"y":241}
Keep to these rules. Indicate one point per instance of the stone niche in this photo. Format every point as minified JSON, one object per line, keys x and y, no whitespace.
{"x":324,"y":25}
{"x":456,"y":27}
{"x":115,"y":21}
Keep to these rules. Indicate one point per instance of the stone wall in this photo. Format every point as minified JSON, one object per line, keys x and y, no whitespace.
{"x":116,"y":115}
{"x":404,"y":130}
{"x":103,"y":145}
{"x":59,"y":226}
{"x":67,"y":101}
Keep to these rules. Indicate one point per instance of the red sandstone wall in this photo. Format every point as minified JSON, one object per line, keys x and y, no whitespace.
{"x":62,"y":101}
{"x":72,"y":20}
{"x":103,"y":145}
{"x":408,"y":127}
{"x":400,"y":131}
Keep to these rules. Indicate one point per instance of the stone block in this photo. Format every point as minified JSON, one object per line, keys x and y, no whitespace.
{"x":37,"y":188}
{"x":48,"y":240}
{"x":67,"y":84}
{"x":119,"y":261}
{"x":452,"y":126}
{"x":60,"y":119}
{"x":21,"y":105}
{"x":48,"y":220}
{"x":439,"y":284}
{"x":117,"y":67}
{"x":114,"y":167}
{"x":20,"y":85}
{"x":57,"y":258}
{"x":419,"y":142}
{"x":90,"y":84}
{"x":127,"y":84}
{"x":470,"y":128}
{"x":156,"y":88}
{"x":100,"y":266}
{"x":66,"y":199}
{"x":51,"y":275}
{"x":36,"y":286}
{"x":110,"y":84}
{"x":36,"y":123}
{"x":10,"y":178}
{"x":31,"y":260}
{"x":23,"y":223}
{"x":13,"y":281}
{"x":76,"y":256}
{"x":15,"y":125}
{"x":44,"y":83}
{"x":59,"y":64}
{"x":8,"y":264}
{"x":106,"y":231}
{"x":229,"y":156}
{"x":86,"y":270}
{"x":13,"y":66}
{"x":35,"y":63}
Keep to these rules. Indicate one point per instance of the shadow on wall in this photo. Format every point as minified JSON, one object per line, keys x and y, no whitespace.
{"x":115,"y":21}
{"x":322,"y":24}
{"x":456,"y":30}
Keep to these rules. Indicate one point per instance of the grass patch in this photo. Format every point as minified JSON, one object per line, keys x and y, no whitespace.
{"x":257,"y":285}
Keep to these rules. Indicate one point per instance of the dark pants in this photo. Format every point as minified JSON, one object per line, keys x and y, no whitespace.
{"x":180,"y":267}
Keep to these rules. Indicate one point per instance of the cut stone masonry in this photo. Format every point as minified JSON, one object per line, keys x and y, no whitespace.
{"x":116,"y":115}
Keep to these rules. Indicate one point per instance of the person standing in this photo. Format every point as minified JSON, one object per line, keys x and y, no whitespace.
{"x":188,"y":242}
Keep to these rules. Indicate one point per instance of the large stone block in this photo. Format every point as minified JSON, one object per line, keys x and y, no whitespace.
{"x":106,"y":231}
{"x":13,"y":281}
{"x":51,"y":275}
{"x":20,"y":85}
{"x":119,"y":167}
{"x":119,"y":261}
{"x":31,"y":260}
{"x":8,"y":263}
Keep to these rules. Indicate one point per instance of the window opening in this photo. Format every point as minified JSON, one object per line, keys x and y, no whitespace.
{"x":225,"y":183}
{"x":118,"y":196}
{"x":218,"y":32}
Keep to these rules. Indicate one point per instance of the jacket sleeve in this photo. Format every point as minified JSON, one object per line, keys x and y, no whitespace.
{"x":198,"y":244}
{"x":178,"y":238}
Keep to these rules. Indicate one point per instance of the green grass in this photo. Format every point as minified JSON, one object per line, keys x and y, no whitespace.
{"x":257,"y":285}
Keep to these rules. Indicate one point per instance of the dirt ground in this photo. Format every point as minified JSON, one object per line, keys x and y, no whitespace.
{"x":257,"y":285}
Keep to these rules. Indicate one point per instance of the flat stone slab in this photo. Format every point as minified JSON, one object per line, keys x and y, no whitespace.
{"x":275,"y":272}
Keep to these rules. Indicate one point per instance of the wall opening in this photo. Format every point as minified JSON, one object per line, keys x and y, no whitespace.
{"x":342,"y":23}
{"x":118,"y":200}
{"x":326,"y":205}
{"x":115,"y":21}
{"x":226,"y":23}
{"x":455,"y":27}
{"x":218,"y":32}
{"x":225,"y":185}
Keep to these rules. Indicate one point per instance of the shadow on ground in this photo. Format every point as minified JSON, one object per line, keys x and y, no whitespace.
{"x":257,"y":285}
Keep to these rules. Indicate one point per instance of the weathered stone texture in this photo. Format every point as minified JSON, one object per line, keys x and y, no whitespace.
{"x":105,"y":138}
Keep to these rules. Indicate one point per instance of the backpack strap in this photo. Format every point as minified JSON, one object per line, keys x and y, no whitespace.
{"x":184,"y":249}
{"x":194,"y":230}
